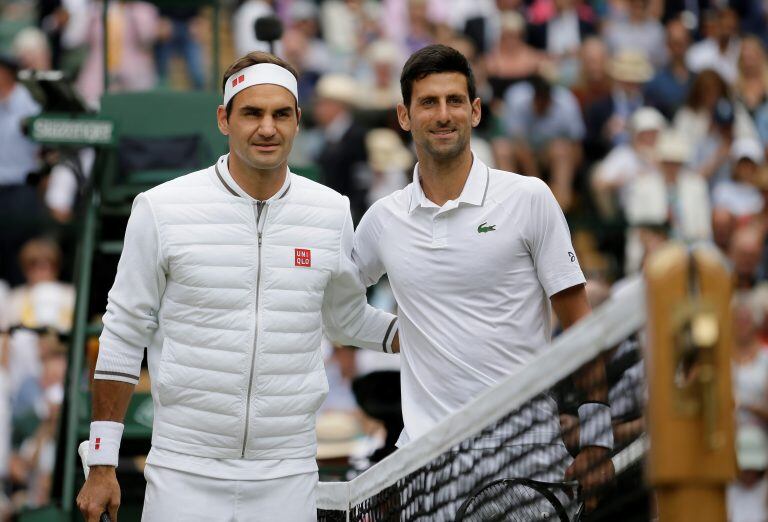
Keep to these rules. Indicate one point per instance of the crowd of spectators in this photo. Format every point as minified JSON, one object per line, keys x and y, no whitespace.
{"x":647,"y":118}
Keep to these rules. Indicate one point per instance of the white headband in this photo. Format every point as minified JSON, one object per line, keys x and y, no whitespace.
{"x":260,"y":74}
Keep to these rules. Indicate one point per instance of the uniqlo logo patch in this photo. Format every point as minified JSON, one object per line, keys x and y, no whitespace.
{"x":239,"y":79}
{"x":303,"y":257}
{"x":97,"y":443}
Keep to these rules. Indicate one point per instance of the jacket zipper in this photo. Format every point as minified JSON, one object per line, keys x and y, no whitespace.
{"x":258,"y":207}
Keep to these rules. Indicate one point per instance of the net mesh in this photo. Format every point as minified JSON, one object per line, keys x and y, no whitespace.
{"x":469,"y":467}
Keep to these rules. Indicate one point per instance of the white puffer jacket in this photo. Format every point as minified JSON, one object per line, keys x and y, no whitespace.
{"x":230,"y":296}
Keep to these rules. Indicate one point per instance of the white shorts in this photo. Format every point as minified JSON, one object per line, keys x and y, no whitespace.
{"x":173,"y":495}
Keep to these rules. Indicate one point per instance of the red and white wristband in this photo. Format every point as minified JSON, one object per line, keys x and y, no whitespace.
{"x":104,"y":443}
{"x":595,"y":428}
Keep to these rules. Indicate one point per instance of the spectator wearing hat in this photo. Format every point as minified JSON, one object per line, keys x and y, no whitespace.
{"x":670,"y":85}
{"x":720,"y":49}
{"x":677,"y":199}
{"x":390,"y":162}
{"x":18,"y":157}
{"x":546,"y":128}
{"x":612,"y":178}
{"x":739,"y":195}
{"x":747,"y":497}
{"x":382,"y":85}
{"x":640,"y":32}
{"x":607,"y":119}
{"x":342,"y":158}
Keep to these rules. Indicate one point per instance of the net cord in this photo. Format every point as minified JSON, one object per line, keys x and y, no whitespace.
{"x":621,"y":315}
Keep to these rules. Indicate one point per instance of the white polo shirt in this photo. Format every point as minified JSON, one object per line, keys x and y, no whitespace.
{"x":472,"y":280}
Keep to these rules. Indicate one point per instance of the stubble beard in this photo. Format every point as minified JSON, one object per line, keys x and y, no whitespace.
{"x":449,"y":153}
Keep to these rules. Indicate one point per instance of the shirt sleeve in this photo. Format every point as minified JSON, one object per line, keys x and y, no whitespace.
{"x":365,"y":253}
{"x":347,"y":316}
{"x":134,"y":300}
{"x":549,"y":241}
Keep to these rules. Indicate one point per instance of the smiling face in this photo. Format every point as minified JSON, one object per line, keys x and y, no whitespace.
{"x":261,"y":127}
{"x":440,"y":116}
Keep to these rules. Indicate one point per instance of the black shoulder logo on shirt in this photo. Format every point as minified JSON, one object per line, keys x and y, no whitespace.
{"x":572,"y":256}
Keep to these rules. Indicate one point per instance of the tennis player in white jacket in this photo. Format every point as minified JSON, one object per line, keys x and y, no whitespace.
{"x":228,"y":277}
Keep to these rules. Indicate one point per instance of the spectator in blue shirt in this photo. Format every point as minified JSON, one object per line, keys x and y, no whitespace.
{"x":669,"y":86}
{"x":18,"y":157}
{"x":545,"y":125}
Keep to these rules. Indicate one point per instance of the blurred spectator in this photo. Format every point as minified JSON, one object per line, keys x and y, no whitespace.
{"x":747,"y":497}
{"x":678,"y":198}
{"x":752,"y":82}
{"x":511,"y":59}
{"x":316,"y":57}
{"x":612,"y":178}
{"x":750,"y":364}
{"x":640,"y":32}
{"x":720,"y":49}
{"x":593,"y":82}
{"x":390,"y":162}
{"x":178,"y":35}
{"x":744,"y":251}
{"x":545,"y":125}
{"x":382,"y":87}
{"x":739,"y":194}
{"x":342,"y":159}
{"x":670,"y":85}
{"x":294,"y":48}
{"x":66,"y":181}
{"x":707,"y":100}
{"x":42,"y":301}
{"x":712,"y":148}
{"x":243,"y":25}
{"x":723,"y":227}
{"x":19,"y":205}
{"x":561,"y":36}
{"x":30,"y":47}
{"x":132,"y":28}
{"x":411,"y":23}
{"x":345,"y":24}
{"x":75,"y":16}
{"x":607,"y":118}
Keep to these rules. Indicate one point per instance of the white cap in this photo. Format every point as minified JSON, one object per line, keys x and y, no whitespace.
{"x":672,"y":147}
{"x":748,"y":148}
{"x":647,"y":119}
{"x":338,"y":87}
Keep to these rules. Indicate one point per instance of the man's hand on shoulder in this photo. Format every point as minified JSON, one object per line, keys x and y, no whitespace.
{"x":100,"y":493}
{"x":593,"y":469}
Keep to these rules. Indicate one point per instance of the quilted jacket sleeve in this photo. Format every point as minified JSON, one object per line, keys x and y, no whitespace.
{"x":347,"y":316}
{"x":134,"y":300}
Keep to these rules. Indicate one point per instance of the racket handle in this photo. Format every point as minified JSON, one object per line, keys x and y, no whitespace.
{"x":105,"y":517}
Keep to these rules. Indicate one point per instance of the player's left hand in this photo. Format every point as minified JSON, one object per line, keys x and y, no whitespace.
{"x":594,"y":471}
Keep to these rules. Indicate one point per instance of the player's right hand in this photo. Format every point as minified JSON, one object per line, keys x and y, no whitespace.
{"x":100,"y":493}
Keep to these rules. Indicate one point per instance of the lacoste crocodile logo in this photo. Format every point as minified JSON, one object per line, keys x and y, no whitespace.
{"x":482,"y":229}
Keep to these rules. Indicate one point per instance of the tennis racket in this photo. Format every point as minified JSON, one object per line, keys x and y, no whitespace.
{"x":516,"y":500}
{"x":82,"y":450}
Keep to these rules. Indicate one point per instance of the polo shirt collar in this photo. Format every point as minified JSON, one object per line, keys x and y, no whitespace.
{"x":229,"y":184}
{"x":474,"y":191}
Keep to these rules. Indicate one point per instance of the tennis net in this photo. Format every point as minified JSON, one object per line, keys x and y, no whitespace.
{"x":504,"y":455}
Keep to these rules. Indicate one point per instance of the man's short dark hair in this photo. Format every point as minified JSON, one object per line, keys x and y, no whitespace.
{"x":435,"y":59}
{"x":253,"y":58}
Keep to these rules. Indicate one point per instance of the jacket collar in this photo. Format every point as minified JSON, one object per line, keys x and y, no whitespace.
{"x":224,"y":177}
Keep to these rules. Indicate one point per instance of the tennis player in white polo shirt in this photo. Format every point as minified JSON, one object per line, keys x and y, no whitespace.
{"x":229,"y":276}
{"x":475,"y":257}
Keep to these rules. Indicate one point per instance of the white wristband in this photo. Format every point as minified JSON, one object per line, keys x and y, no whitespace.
{"x":595,"y":427}
{"x":104,"y":443}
